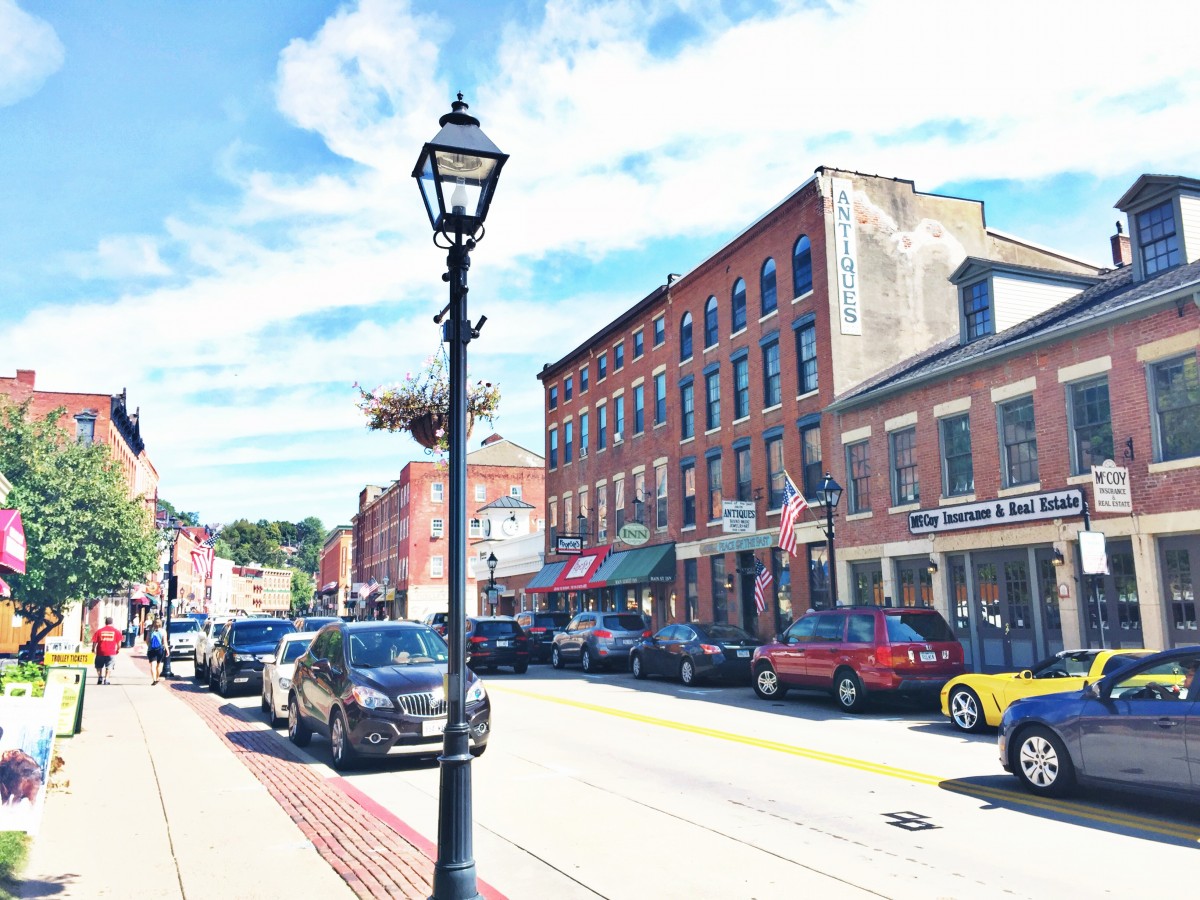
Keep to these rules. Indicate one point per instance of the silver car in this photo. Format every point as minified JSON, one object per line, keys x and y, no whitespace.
{"x":181,"y":637}
{"x":598,"y":640}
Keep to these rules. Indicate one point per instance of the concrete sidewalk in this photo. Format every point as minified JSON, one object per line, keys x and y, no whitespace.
{"x":174,"y":795}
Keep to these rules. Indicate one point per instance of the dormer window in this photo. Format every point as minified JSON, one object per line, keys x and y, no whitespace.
{"x":1157,"y":238}
{"x":85,"y":428}
{"x":977,"y":310}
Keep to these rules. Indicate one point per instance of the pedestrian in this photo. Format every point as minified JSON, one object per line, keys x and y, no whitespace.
{"x":106,"y":643}
{"x":131,"y":631}
{"x":156,"y":647}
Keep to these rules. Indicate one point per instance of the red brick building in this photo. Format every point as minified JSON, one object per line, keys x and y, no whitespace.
{"x":967,"y":467}
{"x":400,"y":531}
{"x":714,"y":384}
{"x":336,"y":572}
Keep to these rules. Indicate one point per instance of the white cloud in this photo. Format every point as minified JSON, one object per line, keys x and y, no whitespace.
{"x":30,"y":52}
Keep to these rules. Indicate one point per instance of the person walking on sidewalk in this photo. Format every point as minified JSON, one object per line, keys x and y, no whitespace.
{"x":106,"y":643}
{"x":156,"y":648}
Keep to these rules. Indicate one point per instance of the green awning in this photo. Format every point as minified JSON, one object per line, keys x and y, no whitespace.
{"x":645,"y":565}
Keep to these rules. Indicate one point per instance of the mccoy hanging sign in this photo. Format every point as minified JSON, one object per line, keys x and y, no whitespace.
{"x":1110,"y":484}
{"x":1008,"y":510}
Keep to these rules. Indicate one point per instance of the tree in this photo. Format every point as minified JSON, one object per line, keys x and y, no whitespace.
{"x":248,"y":543}
{"x":302,"y":592}
{"x":86,"y":537}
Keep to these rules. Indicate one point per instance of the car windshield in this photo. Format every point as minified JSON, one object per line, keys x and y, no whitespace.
{"x":625,"y":622}
{"x":315,"y":624}
{"x":917,"y":627}
{"x":293,"y":650}
{"x":264,"y":632}
{"x":181,"y":625}
{"x":729,"y":633}
{"x":496,"y":629}
{"x":1066,"y":665}
{"x":396,"y":647}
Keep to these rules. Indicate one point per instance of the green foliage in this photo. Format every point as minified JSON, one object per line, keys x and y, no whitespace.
{"x":29,"y":672}
{"x":302,"y":591}
{"x":261,"y":543}
{"x":188,"y":518}
{"x":86,"y":537}
{"x":14,"y":849}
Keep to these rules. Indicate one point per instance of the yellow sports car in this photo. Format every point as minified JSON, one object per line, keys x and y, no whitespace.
{"x":975,"y":700}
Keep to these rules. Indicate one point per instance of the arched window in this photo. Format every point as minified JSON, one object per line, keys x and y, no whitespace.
{"x":802,"y":266}
{"x":685,"y":337}
{"x":710,"y":322}
{"x":739,"y":305}
{"x":767,"y":283}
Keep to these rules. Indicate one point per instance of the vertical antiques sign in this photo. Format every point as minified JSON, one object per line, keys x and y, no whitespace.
{"x":845,"y":244}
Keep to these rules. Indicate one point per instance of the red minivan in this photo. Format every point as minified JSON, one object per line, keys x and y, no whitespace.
{"x":854,"y":651}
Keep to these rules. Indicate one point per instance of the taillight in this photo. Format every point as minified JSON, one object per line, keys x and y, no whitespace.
{"x":478,"y":639}
{"x":537,"y":630}
{"x":601,"y":633}
{"x":710,"y":648}
{"x":646,"y":633}
{"x":883,"y":655}
{"x":522,"y":639}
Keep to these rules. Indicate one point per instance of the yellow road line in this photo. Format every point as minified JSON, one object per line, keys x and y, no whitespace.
{"x":1062,"y":807}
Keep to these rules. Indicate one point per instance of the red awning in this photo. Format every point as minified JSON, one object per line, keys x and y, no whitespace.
{"x":12,"y":542}
{"x":577,"y":571}
{"x":5,"y":590}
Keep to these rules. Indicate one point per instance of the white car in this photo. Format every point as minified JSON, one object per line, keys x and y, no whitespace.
{"x":208,"y":636}
{"x":277,"y":673}
{"x":181,"y":637}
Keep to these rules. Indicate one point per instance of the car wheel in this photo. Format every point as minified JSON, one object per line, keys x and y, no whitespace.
{"x":521,"y":668}
{"x":767,"y":684}
{"x":224,"y":685}
{"x":266,"y":704}
{"x":586,"y":660}
{"x":848,"y":690}
{"x":687,"y":672}
{"x":635,"y":666}
{"x":197,"y":671}
{"x":211,"y":679}
{"x":556,"y":659}
{"x":1042,"y":763}
{"x":298,"y":733}
{"x":344,"y":756}
{"x":965,"y":711}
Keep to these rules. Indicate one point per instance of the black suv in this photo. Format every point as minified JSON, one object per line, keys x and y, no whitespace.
{"x":236,"y":659}
{"x":541,"y":628}
{"x":494,"y":641}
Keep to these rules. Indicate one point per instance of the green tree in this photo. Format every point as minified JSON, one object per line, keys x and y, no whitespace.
{"x":85,"y":536}
{"x":188,"y":518}
{"x":249,"y":543}
{"x":302,"y":592}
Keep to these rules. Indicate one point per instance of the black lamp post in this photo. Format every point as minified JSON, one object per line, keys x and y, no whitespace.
{"x":170,"y":536}
{"x":491,"y":564}
{"x":583,"y":528}
{"x":830,"y":493}
{"x":457,"y":173}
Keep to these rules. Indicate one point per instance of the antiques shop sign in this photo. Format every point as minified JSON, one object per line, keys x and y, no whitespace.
{"x":1050,"y":505}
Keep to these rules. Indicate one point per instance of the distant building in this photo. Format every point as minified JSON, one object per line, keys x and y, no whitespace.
{"x":336,"y":573}
{"x":400,"y":532}
{"x":258,"y":589}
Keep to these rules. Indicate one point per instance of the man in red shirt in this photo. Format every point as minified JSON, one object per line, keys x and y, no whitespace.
{"x":106,"y":643}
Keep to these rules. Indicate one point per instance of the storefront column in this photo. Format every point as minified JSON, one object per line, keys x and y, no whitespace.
{"x":941,"y":597}
{"x":1149,"y":588}
{"x":1070,"y":607}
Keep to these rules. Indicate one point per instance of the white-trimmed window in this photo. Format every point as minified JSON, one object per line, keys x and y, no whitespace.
{"x":1175,"y":404}
{"x":1158,"y":238}
{"x":514,"y":490}
{"x":905,"y":485}
{"x":480,"y":493}
{"x":437,"y":527}
{"x":1018,"y":442}
{"x":958,"y":472}
{"x":437,"y":491}
{"x":475,"y":529}
{"x":436,"y":567}
{"x":1090,"y":422}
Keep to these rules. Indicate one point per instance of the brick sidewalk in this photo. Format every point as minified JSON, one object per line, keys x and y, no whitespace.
{"x":370,"y":848}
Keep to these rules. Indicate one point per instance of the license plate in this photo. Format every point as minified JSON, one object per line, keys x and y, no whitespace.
{"x":743,"y":654}
{"x":430,"y":727}
{"x":625,"y":642}
{"x":503,"y":643}
{"x":928,"y":656}
{"x":243,"y":678}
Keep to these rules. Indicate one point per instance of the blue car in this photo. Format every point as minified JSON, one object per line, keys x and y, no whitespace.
{"x":1138,"y":727}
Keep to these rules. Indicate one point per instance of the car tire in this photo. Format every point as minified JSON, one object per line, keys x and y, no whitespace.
{"x":342,"y":755}
{"x":197,"y":671}
{"x":211,"y":679}
{"x":585,"y":660}
{"x":521,"y":668}
{"x":556,"y":659}
{"x":1041,"y":762}
{"x":636,"y":667}
{"x":848,"y":691}
{"x":767,"y":684}
{"x":266,"y":705}
{"x":224,"y":685}
{"x":966,"y":713}
{"x":298,"y":733}
{"x":687,"y":672}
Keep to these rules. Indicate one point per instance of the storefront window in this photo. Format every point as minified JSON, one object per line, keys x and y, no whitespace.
{"x":916,"y":583}
{"x":720,"y":608}
{"x":866,"y":581}
{"x":818,"y":577}
{"x":781,"y":572}
{"x":691,"y":592}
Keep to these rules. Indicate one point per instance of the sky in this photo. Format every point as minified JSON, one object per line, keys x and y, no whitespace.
{"x":209,"y":203}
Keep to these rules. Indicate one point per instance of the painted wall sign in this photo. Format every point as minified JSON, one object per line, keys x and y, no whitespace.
{"x":1004,"y":511}
{"x":1110,"y":487}
{"x":580,"y":567}
{"x":634,"y":534}
{"x":845,"y":254}
{"x":737,"y":545}
{"x":568,"y":545}
{"x":738,"y":517}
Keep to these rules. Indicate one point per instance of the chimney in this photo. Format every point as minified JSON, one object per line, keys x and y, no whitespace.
{"x":1121,"y":253}
{"x":491,"y":439}
{"x":26,"y":377}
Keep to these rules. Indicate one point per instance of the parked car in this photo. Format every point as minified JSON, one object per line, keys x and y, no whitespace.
{"x":854,"y":651}
{"x":437,"y":621}
{"x":181,"y":637}
{"x":696,"y":651}
{"x":237,"y":658}
{"x":975,"y":700}
{"x":1127,"y":730}
{"x":598,"y":639}
{"x":314,"y":623}
{"x":199,"y":617}
{"x":541,"y":628}
{"x":277,"y":673}
{"x":494,"y":641}
{"x":204,"y":643}
{"x":376,"y":688}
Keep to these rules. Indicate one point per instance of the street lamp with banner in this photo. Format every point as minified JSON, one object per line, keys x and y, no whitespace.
{"x":830,"y":493}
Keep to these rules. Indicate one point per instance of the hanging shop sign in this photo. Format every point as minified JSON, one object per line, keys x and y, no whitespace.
{"x":569,"y":545}
{"x":1110,"y":487}
{"x":634,"y":534}
{"x":737,"y":545}
{"x":1006,"y":511}
{"x":1093,"y":555}
{"x":845,"y":244}
{"x":738,"y":517}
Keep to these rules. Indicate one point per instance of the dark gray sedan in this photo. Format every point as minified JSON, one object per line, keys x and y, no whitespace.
{"x":1138,"y":727}
{"x":696,"y":651}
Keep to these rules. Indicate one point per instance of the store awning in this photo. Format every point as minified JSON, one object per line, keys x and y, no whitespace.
{"x":644,"y":565}
{"x":12,"y":542}
{"x":5,"y":590}
{"x":546,"y":577}
{"x":577,"y":573}
{"x":330,"y":588}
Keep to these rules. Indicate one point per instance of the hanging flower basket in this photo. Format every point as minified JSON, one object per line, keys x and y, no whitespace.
{"x":432,"y":430}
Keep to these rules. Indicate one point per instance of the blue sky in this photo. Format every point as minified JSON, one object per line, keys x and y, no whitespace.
{"x":210,"y":203}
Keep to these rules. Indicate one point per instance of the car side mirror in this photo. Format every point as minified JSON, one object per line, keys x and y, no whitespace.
{"x":269,"y":659}
{"x":1026,"y":674}
{"x":1093,"y":691}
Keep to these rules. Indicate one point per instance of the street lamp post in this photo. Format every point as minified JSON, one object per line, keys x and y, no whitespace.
{"x":830,"y":493}
{"x":457,"y":172}
{"x":491,"y":564}
{"x":171,"y":537}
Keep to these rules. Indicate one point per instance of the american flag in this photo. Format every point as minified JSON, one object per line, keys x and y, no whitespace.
{"x":762,"y":581}
{"x":203,"y":555}
{"x":368,"y":590}
{"x":793,"y":505}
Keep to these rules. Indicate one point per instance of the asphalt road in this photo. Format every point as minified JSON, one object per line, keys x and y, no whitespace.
{"x":603,"y":786}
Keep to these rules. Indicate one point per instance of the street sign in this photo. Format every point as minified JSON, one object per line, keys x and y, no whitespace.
{"x":634,"y":534}
{"x":571,"y":546}
{"x":1110,"y":486}
{"x":738,"y":517}
{"x":1092,"y":553}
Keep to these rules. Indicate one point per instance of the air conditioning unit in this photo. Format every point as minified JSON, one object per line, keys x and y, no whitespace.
{"x":617,"y":439}
{"x":583,"y":452}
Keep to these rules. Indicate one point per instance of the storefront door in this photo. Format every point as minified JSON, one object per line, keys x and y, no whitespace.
{"x":745,"y":580}
{"x":1112,"y":599}
{"x":915,"y":582}
{"x":1180,"y":556}
{"x":1004,"y":597}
